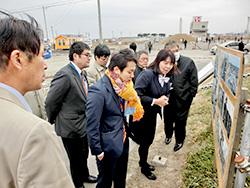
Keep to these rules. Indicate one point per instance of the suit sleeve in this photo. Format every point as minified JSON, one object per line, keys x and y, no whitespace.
{"x":43,"y":161}
{"x":141,"y":85}
{"x":59,"y":87}
{"x":193,"y":79}
{"x":95,"y":103}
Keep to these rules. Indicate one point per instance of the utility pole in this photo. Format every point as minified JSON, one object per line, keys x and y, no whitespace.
{"x":180,"y":26}
{"x":53,"y":37}
{"x":52,"y":33}
{"x":248,"y":21}
{"x":45,"y":23}
{"x":99,"y":21}
{"x":240,"y":178}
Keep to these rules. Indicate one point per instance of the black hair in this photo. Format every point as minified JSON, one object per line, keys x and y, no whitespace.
{"x":101,"y":50}
{"x":18,"y":34}
{"x":127,"y":51}
{"x":77,"y":48}
{"x":133,"y":46}
{"x":121,"y":59}
{"x":161,"y":56}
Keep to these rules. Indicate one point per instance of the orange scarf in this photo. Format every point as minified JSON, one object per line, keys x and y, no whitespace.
{"x":127,"y":92}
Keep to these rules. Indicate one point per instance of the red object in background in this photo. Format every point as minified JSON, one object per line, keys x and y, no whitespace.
{"x":197,"y":18}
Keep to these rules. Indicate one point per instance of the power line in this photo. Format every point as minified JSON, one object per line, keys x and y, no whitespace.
{"x":55,"y":4}
{"x":44,"y":7}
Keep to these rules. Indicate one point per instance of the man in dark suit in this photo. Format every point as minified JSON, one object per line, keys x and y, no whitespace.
{"x":185,"y":85}
{"x":105,"y":121}
{"x":65,"y":106}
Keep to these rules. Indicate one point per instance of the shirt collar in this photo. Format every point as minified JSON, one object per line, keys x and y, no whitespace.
{"x":20,"y":97}
{"x":76,"y":68}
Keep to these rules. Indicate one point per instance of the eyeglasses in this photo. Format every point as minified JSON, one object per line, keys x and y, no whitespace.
{"x":87,"y":55}
{"x":144,"y":59}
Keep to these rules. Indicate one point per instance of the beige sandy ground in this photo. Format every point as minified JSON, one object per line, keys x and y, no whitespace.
{"x":168,"y":176}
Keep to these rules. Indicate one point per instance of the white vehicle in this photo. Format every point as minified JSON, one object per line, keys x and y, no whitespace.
{"x":229,"y":44}
{"x":247,"y":48}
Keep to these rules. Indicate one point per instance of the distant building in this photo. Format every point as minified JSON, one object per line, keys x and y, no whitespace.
{"x":198,"y":27}
{"x":63,"y":42}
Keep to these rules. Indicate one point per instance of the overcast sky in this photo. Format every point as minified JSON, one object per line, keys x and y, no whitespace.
{"x":130,"y":17}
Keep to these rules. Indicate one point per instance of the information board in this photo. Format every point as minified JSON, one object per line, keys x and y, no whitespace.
{"x":228,"y":73}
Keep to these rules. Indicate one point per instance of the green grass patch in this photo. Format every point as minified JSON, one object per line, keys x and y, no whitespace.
{"x":200,"y":170}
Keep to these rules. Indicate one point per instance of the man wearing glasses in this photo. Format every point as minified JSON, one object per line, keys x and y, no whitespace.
{"x":97,"y":69}
{"x":65,"y":106}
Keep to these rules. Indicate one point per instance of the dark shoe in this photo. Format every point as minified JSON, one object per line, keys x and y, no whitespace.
{"x":168,"y":140}
{"x":90,"y":179}
{"x":178,"y":146}
{"x":151,"y":167}
{"x":148,"y":166}
{"x":148,"y":174}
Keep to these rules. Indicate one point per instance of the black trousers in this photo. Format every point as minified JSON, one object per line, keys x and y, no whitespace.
{"x":175,"y":118}
{"x":113,"y":169}
{"x":78,"y":151}
{"x":147,"y":128}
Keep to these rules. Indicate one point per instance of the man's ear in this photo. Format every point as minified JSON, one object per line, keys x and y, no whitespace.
{"x":117,"y":70}
{"x":75,"y":56}
{"x":16,"y":59}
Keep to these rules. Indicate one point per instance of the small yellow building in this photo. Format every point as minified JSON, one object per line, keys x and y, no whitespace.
{"x":63,"y":42}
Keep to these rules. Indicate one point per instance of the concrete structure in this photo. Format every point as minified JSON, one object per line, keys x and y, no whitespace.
{"x":198,"y":28}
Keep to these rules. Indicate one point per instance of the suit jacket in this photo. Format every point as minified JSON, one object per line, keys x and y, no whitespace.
{"x":138,"y":70}
{"x":36,"y":101}
{"x":65,"y":103}
{"x":31,"y":155}
{"x":105,"y":119}
{"x":185,"y":81}
{"x":148,"y":87}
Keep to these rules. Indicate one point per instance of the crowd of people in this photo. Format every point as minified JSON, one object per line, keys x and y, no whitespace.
{"x":96,"y":105}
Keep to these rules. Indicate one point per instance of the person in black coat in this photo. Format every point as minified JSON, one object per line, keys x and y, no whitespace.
{"x":133,"y":46}
{"x":153,"y":86}
{"x":241,"y":46}
{"x":185,"y":84}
